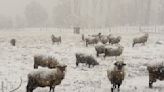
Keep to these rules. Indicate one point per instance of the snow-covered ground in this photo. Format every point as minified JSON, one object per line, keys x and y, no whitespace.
{"x":16,"y":62}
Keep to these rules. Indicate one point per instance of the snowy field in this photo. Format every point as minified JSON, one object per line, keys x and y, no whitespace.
{"x":16,"y":62}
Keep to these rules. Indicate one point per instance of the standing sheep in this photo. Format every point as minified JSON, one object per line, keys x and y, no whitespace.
{"x":116,"y":75}
{"x":143,"y":39}
{"x":114,"y":40}
{"x":100,"y":49}
{"x":155,"y":72}
{"x":45,"y":77}
{"x":55,"y":39}
{"x":104,"y":39}
{"x":91,"y":40}
{"x":113,"y":51}
{"x":88,"y":60}
{"x":40,"y":60}
{"x":13,"y":42}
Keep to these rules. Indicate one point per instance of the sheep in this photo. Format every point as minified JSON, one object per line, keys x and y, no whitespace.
{"x":155,"y":72}
{"x":88,"y":60}
{"x":13,"y":42}
{"x":45,"y":78}
{"x":109,"y":51}
{"x":116,"y":75}
{"x":100,"y":49}
{"x":40,"y":60}
{"x":114,"y":40}
{"x":91,"y":40}
{"x":143,"y":39}
{"x":104,"y":39}
{"x":55,"y":39}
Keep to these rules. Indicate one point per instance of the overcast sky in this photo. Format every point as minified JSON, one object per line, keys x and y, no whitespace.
{"x":16,"y":7}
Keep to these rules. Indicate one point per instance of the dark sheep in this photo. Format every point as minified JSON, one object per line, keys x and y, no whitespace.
{"x":40,"y":60}
{"x":116,"y":75}
{"x":88,"y":60}
{"x":45,"y":77}
{"x":143,"y":39}
{"x":156,"y":72}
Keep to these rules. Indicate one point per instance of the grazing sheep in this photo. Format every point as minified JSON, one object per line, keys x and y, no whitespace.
{"x":55,"y":39}
{"x":113,"y":51}
{"x":116,"y":75}
{"x":100,"y":49}
{"x":104,"y":39}
{"x":45,"y":77}
{"x":40,"y":60}
{"x":91,"y":40}
{"x":114,"y":40}
{"x":88,"y":60}
{"x":143,"y":39}
{"x":155,"y":72}
{"x":13,"y":42}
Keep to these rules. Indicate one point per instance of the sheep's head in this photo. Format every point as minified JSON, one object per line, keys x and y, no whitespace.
{"x":61,"y":67}
{"x":119,"y":64}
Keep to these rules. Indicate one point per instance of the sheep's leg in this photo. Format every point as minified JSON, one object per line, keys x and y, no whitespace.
{"x":150,"y":84}
{"x":35,"y":66}
{"x":77,"y":64}
{"x":97,"y":54}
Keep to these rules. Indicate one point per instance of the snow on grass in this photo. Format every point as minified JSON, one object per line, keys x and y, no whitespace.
{"x":16,"y":62}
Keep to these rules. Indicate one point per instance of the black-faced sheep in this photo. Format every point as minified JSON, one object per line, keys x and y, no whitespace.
{"x":40,"y":60}
{"x":156,"y":72}
{"x":109,"y":51}
{"x":114,"y":40}
{"x":143,"y":39}
{"x":13,"y":42}
{"x":100,"y":49}
{"x":88,"y":60}
{"x":91,"y":40}
{"x":45,"y":77}
{"x":116,"y":75}
{"x":55,"y":39}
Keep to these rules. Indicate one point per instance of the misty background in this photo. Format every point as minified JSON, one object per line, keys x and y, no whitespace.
{"x":83,"y":13}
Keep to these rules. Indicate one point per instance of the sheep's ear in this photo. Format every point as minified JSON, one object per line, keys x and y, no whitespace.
{"x":124,"y":64}
{"x":115,"y":64}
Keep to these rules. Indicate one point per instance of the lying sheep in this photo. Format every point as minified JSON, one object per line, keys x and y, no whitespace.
{"x":116,"y":75}
{"x":91,"y":40}
{"x":114,"y":40}
{"x":113,"y":51}
{"x":88,"y":60}
{"x":156,"y":72}
{"x":100,"y":49}
{"x":143,"y":39}
{"x":55,"y":39}
{"x":40,"y":60}
{"x":45,"y":77}
{"x":13,"y":42}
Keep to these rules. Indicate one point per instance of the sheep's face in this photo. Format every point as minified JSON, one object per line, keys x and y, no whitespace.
{"x":61,"y":67}
{"x":119,"y":65}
